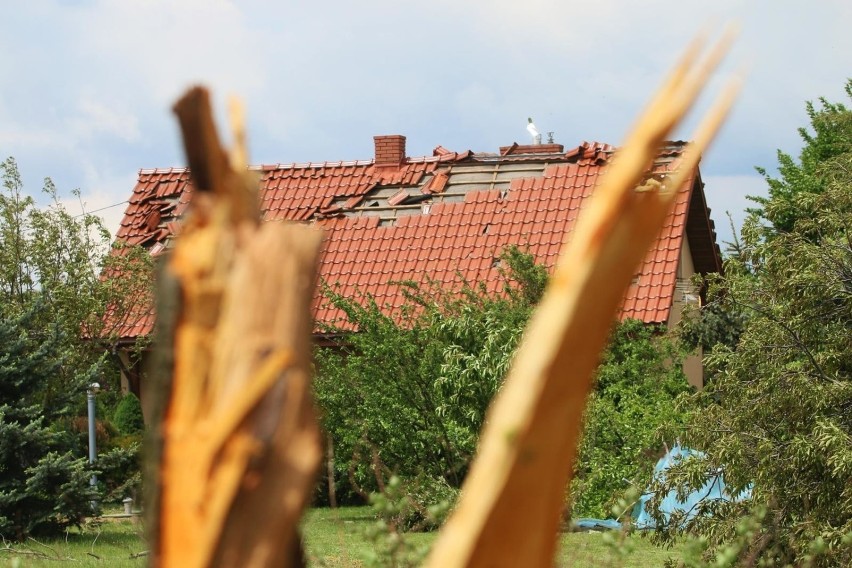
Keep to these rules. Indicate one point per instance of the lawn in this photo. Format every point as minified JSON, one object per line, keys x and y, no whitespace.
{"x":338,"y":537}
{"x":333,"y":537}
{"x":99,"y":544}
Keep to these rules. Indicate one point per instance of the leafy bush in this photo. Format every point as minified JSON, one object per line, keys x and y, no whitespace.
{"x":397,"y":511}
{"x":406,"y":396}
{"x":128,"y":415}
{"x":638,"y":383}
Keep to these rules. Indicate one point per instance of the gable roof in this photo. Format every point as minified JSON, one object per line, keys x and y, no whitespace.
{"x":446,"y":217}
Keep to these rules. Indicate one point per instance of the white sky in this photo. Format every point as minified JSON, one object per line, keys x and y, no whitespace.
{"x":86,"y":86}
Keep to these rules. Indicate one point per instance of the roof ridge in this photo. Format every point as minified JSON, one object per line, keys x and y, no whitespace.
{"x":161,"y":171}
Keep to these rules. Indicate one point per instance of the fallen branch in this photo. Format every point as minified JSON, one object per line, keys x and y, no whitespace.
{"x":27,"y":552}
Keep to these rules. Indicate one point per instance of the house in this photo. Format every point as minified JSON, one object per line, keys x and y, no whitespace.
{"x":446,"y":216}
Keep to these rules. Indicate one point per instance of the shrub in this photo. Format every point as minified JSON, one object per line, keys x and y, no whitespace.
{"x":638,"y":384}
{"x":128,"y":415}
{"x":409,"y":399}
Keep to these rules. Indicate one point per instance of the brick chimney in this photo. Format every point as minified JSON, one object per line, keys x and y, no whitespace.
{"x":390,"y":150}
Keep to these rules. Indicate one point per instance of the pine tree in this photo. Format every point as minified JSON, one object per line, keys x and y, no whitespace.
{"x":44,"y":487}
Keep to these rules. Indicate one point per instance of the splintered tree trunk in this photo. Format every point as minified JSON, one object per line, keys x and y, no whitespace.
{"x":240,"y":441}
{"x":510,"y":505}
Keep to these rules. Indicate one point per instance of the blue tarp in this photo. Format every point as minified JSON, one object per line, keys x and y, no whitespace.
{"x":713,"y":489}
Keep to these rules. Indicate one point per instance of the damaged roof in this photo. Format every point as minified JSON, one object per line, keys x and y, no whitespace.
{"x":444,"y":217}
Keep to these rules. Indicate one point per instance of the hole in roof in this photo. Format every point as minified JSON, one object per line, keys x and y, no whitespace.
{"x":373,"y":204}
{"x":486,"y":228}
{"x":496,"y":263}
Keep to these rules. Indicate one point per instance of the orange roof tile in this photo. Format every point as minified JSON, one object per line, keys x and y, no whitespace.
{"x":436,"y":216}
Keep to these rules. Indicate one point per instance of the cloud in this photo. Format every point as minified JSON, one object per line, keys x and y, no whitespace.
{"x":96,"y":118}
{"x":87,"y":86}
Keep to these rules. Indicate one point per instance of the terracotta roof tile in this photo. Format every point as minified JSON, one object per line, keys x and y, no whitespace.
{"x":457,"y":235}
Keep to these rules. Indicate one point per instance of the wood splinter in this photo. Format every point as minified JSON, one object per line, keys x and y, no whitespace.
{"x":511,"y":503}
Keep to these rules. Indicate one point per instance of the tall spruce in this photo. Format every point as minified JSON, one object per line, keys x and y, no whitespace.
{"x":44,"y":484}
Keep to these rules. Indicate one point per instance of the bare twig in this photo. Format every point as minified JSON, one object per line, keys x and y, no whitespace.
{"x":53,"y":550}
{"x":27,"y":552}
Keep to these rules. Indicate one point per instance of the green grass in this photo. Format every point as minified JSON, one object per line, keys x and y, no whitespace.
{"x":106,"y":544}
{"x":338,"y":537}
{"x":333,"y":538}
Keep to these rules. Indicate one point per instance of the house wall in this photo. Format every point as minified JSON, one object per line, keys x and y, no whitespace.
{"x":686,"y":294}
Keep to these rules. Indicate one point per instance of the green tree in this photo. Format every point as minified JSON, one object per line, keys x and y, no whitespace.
{"x":44,"y":486}
{"x":777,"y":415}
{"x":791,"y":195}
{"x":55,"y":294}
{"x":62,"y":262}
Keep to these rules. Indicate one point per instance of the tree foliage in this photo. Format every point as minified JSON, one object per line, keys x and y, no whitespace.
{"x":44,"y":486}
{"x":58,"y":261}
{"x":826,"y":147}
{"x":56,"y":314}
{"x":777,"y":416}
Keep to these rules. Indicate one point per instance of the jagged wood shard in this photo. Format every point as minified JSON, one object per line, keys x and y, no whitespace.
{"x":241,"y":444}
{"x":510,"y":505}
